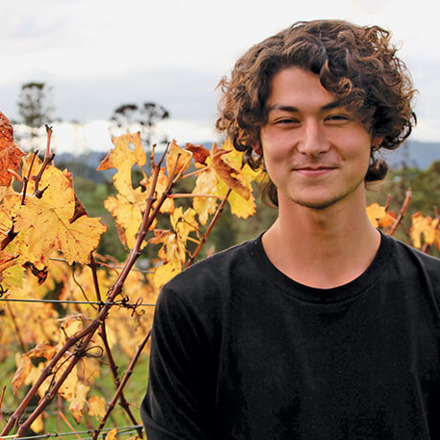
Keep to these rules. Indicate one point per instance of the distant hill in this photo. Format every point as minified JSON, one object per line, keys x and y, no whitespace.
{"x":415,"y":154}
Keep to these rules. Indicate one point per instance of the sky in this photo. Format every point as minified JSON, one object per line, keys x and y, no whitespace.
{"x":96,"y":55}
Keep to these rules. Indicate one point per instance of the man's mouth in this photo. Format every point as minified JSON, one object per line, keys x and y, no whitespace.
{"x":315,"y":170}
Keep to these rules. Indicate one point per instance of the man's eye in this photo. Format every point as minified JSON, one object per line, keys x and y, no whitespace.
{"x":286,"y":121}
{"x":337,"y":118}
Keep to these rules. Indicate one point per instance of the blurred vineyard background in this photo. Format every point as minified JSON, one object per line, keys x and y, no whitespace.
{"x":64,"y":298}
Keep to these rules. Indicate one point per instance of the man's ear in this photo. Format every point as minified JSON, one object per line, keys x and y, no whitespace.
{"x":258,"y":149}
{"x":376,"y":142}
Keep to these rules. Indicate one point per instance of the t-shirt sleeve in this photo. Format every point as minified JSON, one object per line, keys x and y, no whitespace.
{"x":173,"y":407}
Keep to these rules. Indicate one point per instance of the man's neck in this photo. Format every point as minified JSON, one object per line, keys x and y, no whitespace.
{"x":322,"y":248}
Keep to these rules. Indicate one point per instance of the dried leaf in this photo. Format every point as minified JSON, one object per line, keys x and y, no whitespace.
{"x":77,"y":403}
{"x":200,"y":153}
{"x":231,"y":176}
{"x":43,"y":350}
{"x":23,"y":370}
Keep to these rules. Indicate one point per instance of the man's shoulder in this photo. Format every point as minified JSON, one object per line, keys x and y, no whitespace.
{"x":413,"y":260}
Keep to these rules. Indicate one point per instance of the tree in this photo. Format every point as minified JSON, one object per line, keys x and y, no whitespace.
{"x":131,"y":117}
{"x":35,"y":110}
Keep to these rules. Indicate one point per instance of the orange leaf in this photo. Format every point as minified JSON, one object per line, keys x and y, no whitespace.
{"x":200,"y":153}
{"x":376,"y":213}
{"x":10,"y":154}
{"x":388,"y":221}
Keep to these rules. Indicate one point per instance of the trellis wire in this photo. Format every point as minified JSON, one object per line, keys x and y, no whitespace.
{"x":62,"y":301}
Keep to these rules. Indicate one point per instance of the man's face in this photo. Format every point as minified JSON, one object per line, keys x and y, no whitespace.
{"x":316,"y":152}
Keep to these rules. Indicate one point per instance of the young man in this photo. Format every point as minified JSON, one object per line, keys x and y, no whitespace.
{"x":322,"y":327}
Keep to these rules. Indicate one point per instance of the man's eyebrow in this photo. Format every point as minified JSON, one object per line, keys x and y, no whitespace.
{"x":293,"y":109}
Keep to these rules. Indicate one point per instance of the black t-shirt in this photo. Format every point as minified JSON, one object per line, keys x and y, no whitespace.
{"x":241,"y":351}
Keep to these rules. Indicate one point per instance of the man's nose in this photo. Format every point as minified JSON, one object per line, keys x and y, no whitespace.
{"x":313,"y":141}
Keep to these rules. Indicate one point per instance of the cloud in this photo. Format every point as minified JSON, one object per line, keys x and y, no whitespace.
{"x":185,"y":94}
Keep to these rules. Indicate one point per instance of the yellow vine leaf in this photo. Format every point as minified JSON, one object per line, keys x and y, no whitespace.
{"x":183,"y":223}
{"x":172,"y":254}
{"x":122,"y":157}
{"x":44,"y":224}
{"x":426,"y":226}
{"x":97,"y":407}
{"x":171,"y":249}
{"x":112,"y":435}
{"x":12,"y":277}
{"x":128,"y":205}
{"x":165,"y":272}
{"x":37,"y":425}
{"x":240,"y":207}
{"x":68,"y":387}
{"x":127,"y":213}
{"x":235,"y":159}
{"x":206,"y":184}
{"x":9,"y":203}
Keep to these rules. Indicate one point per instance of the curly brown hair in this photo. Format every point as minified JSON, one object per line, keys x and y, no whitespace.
{"x":358,"y":64}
